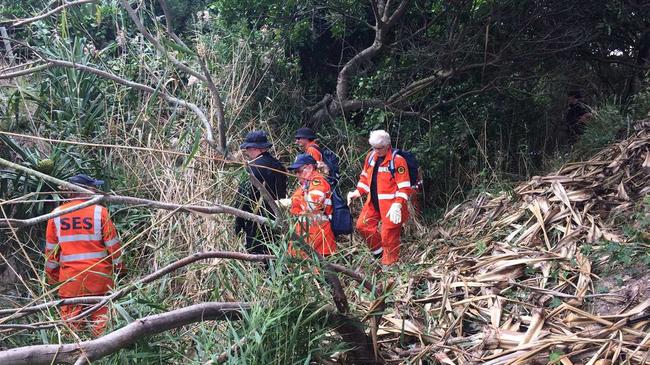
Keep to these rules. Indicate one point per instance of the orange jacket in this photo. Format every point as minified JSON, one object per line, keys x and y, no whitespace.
{"x":389,"y":189}
{"x":82,"y":250}
{"x":313,"y":150}
{"x":312,"y":204}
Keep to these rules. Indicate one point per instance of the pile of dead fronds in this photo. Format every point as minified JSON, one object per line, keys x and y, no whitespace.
{"x":508,"y":280}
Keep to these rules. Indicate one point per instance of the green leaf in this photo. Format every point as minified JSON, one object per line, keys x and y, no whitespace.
{"x":555,"y":356}
{"x":195,"y":146}
{"x":127,"y":317}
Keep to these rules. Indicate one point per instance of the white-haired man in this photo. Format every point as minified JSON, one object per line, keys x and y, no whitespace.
{"x":388,"y":192}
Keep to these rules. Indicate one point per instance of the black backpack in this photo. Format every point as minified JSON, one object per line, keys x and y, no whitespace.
{"x":411,"y":162}
{"x":332,"y":161}
{"x":341,"y":220}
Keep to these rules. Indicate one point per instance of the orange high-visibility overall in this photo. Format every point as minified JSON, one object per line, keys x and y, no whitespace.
{"x":313,"y":150}
{"x":83,"y":252}
{"x":312,"y":204}
{"x":390,"y":190}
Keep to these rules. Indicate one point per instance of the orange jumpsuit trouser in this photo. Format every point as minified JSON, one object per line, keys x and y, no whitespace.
{"x":385,"y":241}
{"x":96,"y":320}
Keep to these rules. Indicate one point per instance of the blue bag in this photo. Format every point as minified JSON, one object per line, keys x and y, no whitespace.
{"x":341,"y":218}
{"x":332,"y":161}
{"x":411,"y":162}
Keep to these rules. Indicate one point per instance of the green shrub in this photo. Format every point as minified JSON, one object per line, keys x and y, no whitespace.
{"x":606,"y":125}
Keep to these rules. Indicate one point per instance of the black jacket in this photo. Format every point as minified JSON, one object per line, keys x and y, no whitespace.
{"x":250,"y":199}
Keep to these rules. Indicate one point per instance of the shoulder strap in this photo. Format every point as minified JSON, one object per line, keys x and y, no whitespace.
{"x":391,"y":164}
{"x":371,"y":157}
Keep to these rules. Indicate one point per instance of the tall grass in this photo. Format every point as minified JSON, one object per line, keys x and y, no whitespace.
{"x":288,"y":323}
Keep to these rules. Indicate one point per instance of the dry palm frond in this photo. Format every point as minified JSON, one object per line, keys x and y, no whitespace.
{"x":504,"y":280}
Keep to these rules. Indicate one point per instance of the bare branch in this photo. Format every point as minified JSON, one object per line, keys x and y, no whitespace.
{"x":381,"y":31}
{"x":138,"y":23}
{"x":401,"y":9}
{"x":161,"y":93}
{"x":100,"y":301}
{"x":218,"y":105}
{"x":266,"y":195}
{"x":171,"y":99}
{"x":168,"y":23}
{"x":17,"y":23}
{"x":15,"y":313}
{"x":118,"y":199}
{"x":418,"y":85}
{"x":22,"y":65}
{"x":96,"y":199}
{"x":45,"y":177}
{"x":343,"y":79}
{"x":385,"y":11}
{"x":205,"y":77}
{"x":9,"y":53}
{"x":123,"y":337}
{"x":20,"y":312}
{"x":335,"y":108}
{"x":214,"y":209}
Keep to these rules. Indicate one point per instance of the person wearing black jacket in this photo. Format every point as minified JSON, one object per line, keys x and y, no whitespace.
{"x":270,"y":173}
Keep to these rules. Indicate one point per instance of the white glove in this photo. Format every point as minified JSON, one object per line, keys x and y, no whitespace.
{"x":353,"y":195}
{"x":395,"y":213}
{"x":284,"y":202}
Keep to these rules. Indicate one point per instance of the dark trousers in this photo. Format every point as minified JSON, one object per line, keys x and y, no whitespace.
{"x":256,"y":245}
{"x":256,"y":237}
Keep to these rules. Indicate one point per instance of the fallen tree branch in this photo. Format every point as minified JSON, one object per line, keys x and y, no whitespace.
{"x":169,"y":268}
{"x":123,"y":337}
{"x":214,"y":209}
{"x":54,"y":180}
{"x":15,"y":313}
{"x":52,"y":303}
{"x":118,"y":199}
{"x":24,"y":72}
{"x":340,"y":300}
{"x":8,"y":222}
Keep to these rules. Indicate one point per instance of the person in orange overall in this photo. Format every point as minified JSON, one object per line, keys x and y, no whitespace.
{"x":83,"y":252}
{"x":387,"y":197}
{"x":306,"y":141}
{"x":312,"y":204}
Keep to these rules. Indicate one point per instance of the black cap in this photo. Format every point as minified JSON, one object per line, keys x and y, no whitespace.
{"x":305,"y":133}
{"x":302,"y":160}
{"x":256,"y":139}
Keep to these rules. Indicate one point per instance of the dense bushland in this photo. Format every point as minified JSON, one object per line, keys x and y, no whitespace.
{"x":477,"y":89}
